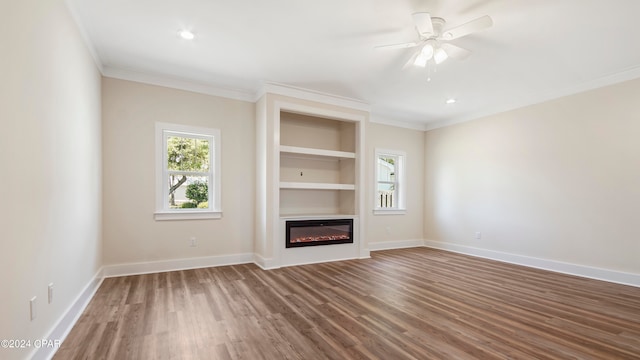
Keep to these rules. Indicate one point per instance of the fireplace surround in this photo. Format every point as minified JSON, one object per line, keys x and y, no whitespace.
{"x":300,"y":233}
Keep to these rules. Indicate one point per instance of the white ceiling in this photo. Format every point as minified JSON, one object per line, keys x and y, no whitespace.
{"x":536,"y":50}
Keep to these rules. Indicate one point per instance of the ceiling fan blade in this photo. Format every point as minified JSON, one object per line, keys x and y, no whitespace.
{"x":423,"y":23}
{"x":455,"y":52}
{"x":397,"y":46}
{"x":468,"y":28}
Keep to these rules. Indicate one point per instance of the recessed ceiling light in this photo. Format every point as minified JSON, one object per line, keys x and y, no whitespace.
{"x":451,"y":101}
{"x":186,"y":34}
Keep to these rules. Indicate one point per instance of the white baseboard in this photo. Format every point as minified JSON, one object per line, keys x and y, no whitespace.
{"x":322,"y":261}
{"x":400,"y":244}
{"x":264,"y":263}
{"x":270,"y":263}
{"x":177,"y":264}
{"x":545,"y":264}
{"x":69,"y":318}
{"x":73,"y":313}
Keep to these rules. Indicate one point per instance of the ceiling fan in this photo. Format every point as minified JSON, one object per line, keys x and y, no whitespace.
{"x":433,"y":39}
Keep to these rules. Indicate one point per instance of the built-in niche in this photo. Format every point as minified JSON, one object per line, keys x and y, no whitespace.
{"x":317,"y":166}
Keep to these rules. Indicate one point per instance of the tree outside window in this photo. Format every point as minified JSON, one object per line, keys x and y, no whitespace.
{"x":186,"y":158}
{"x":188,"y":172}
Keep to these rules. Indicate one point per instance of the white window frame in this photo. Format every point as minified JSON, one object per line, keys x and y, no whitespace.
{"x":399,"y":207}
{"x":163,"y":212}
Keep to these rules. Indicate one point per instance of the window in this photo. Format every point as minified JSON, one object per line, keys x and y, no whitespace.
{"x":187,"y":172}
{"x":390,"y":182}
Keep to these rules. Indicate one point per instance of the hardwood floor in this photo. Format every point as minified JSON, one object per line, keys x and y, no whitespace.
{"x":415,"y":303}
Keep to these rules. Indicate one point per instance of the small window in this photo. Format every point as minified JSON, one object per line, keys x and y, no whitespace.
{"x":390,"y":189}
{"x":187,"y":172}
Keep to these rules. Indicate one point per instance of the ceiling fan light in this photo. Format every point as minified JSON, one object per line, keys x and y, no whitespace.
{"x":421,"y":60}
{"x":424,"y":56}
{"x":439,"y":56}
{"x":427,"y":51}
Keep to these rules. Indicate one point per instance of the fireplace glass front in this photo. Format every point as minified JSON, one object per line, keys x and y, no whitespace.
{"x":318,"y":232}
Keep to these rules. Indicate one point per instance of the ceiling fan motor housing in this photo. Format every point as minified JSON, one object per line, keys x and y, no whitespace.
{"x":438,"y":26}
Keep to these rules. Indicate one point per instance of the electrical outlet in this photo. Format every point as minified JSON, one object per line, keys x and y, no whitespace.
{"x":193,"y":242}
{"x":478,"y":235}
{"x":388,"y":229}
{"x":32,"y":308}
{"x":50,"y":293}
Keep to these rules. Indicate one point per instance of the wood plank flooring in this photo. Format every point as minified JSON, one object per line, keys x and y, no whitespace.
{"x":415,"y":303}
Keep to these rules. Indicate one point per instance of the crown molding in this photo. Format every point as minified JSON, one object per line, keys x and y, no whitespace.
{"x":312,"y":95}
{"x":85,"y":35}
{"x":386,"y":120}
{"x":177,"y":83}
{"x":630,"y":73}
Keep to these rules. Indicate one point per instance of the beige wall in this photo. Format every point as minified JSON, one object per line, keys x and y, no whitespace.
{"x":558,"y":180}
{"x":130,"y":111}
{"x":51,"y":167}
{"x":394,"y":228}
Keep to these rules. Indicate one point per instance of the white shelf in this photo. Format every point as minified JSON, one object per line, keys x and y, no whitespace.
{"x":296,"y":150}
{"x":316,"y":186}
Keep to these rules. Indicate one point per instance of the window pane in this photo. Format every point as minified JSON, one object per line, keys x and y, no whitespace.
{"x":386,"y":168}
{"x":387,"y":197}
{"x":188,"y":192}
{"x":187,"y":154}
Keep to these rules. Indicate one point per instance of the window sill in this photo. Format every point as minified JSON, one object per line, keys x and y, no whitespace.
{"x":381,"y":211}
{"x":187,"y":215}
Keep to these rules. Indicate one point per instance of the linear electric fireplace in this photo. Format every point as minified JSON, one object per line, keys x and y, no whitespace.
{"x":318,"y":232}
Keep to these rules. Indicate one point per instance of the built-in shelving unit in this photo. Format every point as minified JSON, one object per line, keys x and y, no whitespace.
{"x":310,"y":167}
{"x":317,"y":165}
